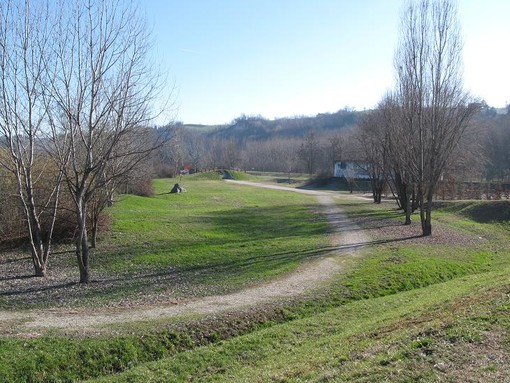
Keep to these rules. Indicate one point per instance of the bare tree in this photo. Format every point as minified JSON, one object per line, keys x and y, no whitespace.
{"x":309,"y":152}
{"x":100,"y":100}
{"x":194,"y":144}
{"x":24,"y":42}
{"x":497,"y":150}
{"x":213,"y":156}
{"x":276,"y":155}
{"x":334,"y":149}
{"x":175,"y":149}
{"x":230,"y":154}
{"x":434,"y":110}
{"x":374,"y":136}
{"x":400,"y":179}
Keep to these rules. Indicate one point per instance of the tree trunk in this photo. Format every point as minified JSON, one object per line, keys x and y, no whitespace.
{"x":373,"y":183}
{"x":37,"y":249}
{"x":379,"y":187}
{"x":39,"y":267}
{"x":82,"y":255}
{"x":39,"y":256}
{"x":426,"y":223}
{"x":40,"y":246}
{"x":408,"y":209}
{"x":426,"y":212}
{"x":93,"y":240}
{"x":81,"y":244}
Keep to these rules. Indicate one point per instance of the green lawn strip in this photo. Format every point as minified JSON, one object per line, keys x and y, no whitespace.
{"x":390,"y":269}
{"x":400,"y":268}
{"x":380,"y":274}
{"x":485,"y":219}
{"x":213,"y":223}
{"x":342,"y":344}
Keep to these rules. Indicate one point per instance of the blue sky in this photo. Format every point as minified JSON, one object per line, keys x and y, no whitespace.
{"x":280,"y":58}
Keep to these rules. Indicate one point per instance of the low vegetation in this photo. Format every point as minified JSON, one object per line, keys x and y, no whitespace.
{"x":409,"y":309}
{"x":455,"y":331}
{"x":213,"y":239}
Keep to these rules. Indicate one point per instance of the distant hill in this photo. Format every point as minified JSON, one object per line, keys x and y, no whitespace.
{"x":247,"y":128}
{"x":202,"y":128}
{"x":257,"y":128}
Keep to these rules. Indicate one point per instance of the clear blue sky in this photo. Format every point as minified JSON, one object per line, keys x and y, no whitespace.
{"x":282,"y":58}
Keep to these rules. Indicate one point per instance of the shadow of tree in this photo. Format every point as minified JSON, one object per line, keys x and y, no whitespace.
{"x":214,"y":261}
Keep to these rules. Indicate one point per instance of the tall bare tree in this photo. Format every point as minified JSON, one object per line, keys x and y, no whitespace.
{"x":400,"y":179}
{"x":334,"y":149}
{"x":374,"y":138}
{"x":24,"y":44}
{"x":231,"y":157}
{"x":434,"y":110}
{"x":101,"y":98}
{"x":309,"y":152}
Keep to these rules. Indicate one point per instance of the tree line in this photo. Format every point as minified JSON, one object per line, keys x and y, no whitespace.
{"x":481,"y":154}
{"x":76,"y":94}
{"x":420,"y":130}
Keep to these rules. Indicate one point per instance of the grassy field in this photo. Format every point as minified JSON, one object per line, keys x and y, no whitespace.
{"x":408,"y":310}
{"x":215,"y":233}
{"x":213,"y":239}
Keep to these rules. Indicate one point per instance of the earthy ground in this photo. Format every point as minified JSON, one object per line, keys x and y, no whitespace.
{"x":345,"y":239}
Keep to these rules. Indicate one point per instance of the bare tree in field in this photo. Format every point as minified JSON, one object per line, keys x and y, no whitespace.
{"x":24,"y":42}
{"x":194,"y":144}
{"x":334,"y":149}
{"x":400,"y":179}
{"x":231,"y":156}
{"x":309,"y":152}
{"x":101,"y":96}
{"x":374,"y":137}
{"x":433,"y":108}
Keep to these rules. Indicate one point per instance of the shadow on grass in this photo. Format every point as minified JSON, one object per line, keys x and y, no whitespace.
{"x":16,"y":277}
{"x":38,"y":289}
{"x":231,"y":251}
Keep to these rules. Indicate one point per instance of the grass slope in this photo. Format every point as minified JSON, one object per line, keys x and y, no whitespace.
{"x":411,"y":336}
{"x":407,"y":311}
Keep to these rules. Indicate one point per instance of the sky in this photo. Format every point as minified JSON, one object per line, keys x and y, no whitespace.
{"x":285,"y":58}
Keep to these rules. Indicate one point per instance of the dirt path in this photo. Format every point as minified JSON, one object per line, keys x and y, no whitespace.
{"x":345,"y":238}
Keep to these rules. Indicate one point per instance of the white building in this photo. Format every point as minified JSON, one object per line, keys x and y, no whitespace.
{"x":351,"y":170}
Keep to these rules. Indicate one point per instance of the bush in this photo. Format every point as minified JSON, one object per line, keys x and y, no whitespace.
{"x":140,"y":186}
{"x":165,"y":171}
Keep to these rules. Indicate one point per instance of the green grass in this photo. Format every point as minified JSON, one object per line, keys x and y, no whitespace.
{"x":215,"y":176}
{"x":396,"y":269}
{"x":283,"y":179}
{"x":486,"y":219}
{"x":215,"y":238}
{"x":229,"y":233}
{"x":400,"y":313}
{"x":382,"y":339}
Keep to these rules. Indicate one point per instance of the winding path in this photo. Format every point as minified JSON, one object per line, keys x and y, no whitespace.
{"x":345,"y":239}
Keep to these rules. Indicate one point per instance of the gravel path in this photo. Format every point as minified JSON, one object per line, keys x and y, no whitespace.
{"x":345,"y":239}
